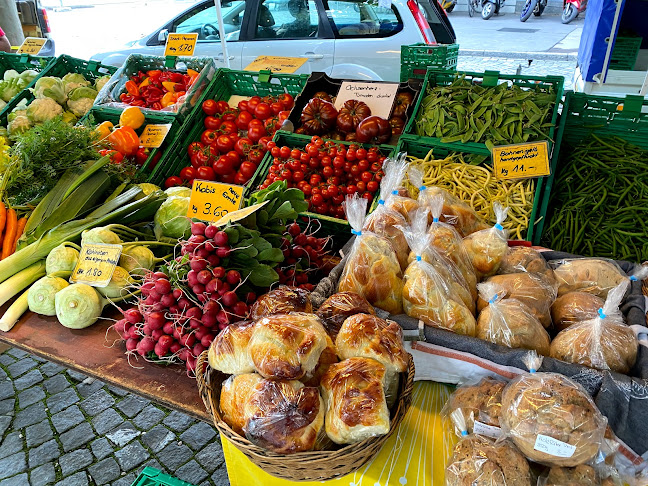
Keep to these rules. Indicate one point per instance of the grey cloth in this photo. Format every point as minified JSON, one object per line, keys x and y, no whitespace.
{"x":622,"y":399}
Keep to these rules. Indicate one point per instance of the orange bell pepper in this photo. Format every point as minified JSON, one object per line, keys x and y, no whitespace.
{"x":169,"y":86}
{"x":124,"y":140}
{"x":168,"y":99}
{"x":145,"y":83}
{"x":153,"y":73}
{"x":131,"y":88}
{"x":131,"y":117}
{"x":192,"y":73}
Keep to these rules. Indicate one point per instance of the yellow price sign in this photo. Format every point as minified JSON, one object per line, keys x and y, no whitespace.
{"x":153,"y":135}
{"x":180,"y":44}
{"x":210,"y":201}
{"x":276,"y":64}
{"x":32,"y":45}
{"x":96,"y":264}
{"x":521,"y":161}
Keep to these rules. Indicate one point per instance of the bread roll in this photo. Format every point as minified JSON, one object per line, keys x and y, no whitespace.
{"x":478,"y":403}
{"x":592,"y":275}
{"x":403,"y":204}
{"x":510,"y":323}
{"x":551,"y":405}
{"x":486,"y":249}
{"x":454,"y":212}
{"x":478,"y":461}
{"x":574,"y":307}
{"x":522,"y":259}
{"x":383,"y":222}
{"x":327,"y":358}
{"x":287,"y":346}
{"x":355,"y":399}
{"x":373,"y":271}
{"x":235,"y":395}
{"x":284,"y":416}
{"x":228,"y":352}
{"x":528,"y":289}
{"x":334,"y":310}
{"x":582,"y":475}
{"x":282,"y":300}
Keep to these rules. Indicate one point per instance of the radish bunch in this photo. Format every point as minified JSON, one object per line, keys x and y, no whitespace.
{"x":303,"y":257}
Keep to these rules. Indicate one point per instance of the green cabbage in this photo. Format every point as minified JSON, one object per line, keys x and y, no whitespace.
{"x":50,"y":87}
{"x":43,"y":109}
{"x":171,"y":218}
{"x":178,"y":191}
{"x":80,"y":100}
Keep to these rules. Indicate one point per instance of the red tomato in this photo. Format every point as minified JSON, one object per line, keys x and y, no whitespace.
{"x":265,"y":141}
{"x":188,"y":174}
{"x":222,"y":107}
{"x":253,"y":102}
{"x":208,"y":137}
{"x":243,"y":105}
{"x":314,"y":180}
{"x":351,"y":189}
{"x":194,"y":147}
{"x":230,"y":116}
{"x":195,"y":163}
{"x":223,"y":167}
{"x":277,"y":108}
{"x":224,"y":144}
{"x":243,"y":146}
{"x":247,"y":169}
{"x":240,"y":179}
{"x":317,"y":199}
{"x":288,"y":101}
{"x":366,"y":176}
{"x":327,"y":171}
{"x":212,"y":123}
{"x":202,"y":157}
{"x":205,"y":173}
{"x":243,"y":120}
{"x":298,"y":176}
{"x":283,"y":115}
{"x":263,"y":111}
{"x":228,"y":178}
{"x":209,"y":107}
{"x":372,"y":186}
{"x":362,"y":186}
{"x":372,"y":156}
{"x":363,"y":164}
{"x":284,"y":152}
{"x":361,"y":153}
{"x":255,"y":133}
{"x":255,"y":156}
{"x":172,"y":181}
{"x":228,"y":127}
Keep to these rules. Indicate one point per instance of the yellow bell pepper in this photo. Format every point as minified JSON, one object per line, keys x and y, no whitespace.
{"x":146,"y":82}
{"x":104,"y":129}
{"x":168,"y":99}
{"x":169,"y":86}
{"x":192,"y":73}
{"x":132,"y":117}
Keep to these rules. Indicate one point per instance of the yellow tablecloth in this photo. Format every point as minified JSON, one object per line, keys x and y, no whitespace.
{"x":414,"y":455}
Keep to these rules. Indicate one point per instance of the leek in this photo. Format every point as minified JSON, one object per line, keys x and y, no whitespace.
{"x":14,"y":312}
{"x":21,"y":280}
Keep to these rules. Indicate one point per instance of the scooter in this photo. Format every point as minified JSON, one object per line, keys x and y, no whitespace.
{"x":491,"y":7}
{"x":571,"y":9}
{"x":448,"y":5}
{"x":533,"y":6}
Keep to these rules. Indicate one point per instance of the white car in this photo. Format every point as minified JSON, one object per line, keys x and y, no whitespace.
{"x":353,"y":39}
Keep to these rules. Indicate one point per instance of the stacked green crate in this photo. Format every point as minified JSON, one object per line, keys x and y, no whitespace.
{"x":416,"y":59}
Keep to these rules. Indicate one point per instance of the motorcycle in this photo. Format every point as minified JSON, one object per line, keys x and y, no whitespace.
{"x":571,"y":9}
{"x":535,"y":7}
{"x":448,"y":5}
{"x":491,"y":7}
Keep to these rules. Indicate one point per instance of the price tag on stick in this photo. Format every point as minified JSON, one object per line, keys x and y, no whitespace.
{"x":180,"y":44}
{"x":210,"y":201}
{"x":521,"y":161}
{"x":96,"y":264}
{"x":276,"y":64}
{"x":32,"y":45}
{"x":153,"y":135}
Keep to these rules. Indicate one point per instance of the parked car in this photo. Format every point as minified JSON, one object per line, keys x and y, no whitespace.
{"x":35,"y":23}
{"x":355,"y":39}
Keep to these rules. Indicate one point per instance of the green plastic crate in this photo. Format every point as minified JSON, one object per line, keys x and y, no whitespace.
{"x":488,"y":78}
{"x":154,"y":477}
{"x":338,"y":229}
{"x":20,"y":63}
{"x":417,"y":147}
{"x":96,"y":116}
{"x":417,"y":58}
{"x":625,"y":52}
{"x":224,"y":85}
{"x":607,"y":116}
{"x":59,"y":67}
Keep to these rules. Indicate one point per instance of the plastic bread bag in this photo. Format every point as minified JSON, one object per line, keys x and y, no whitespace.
{"x":574,"y":307}
{"x":236,"y":392}
{"x":509,"y":322}
{"x":401,"y":201}
{"x":487,"y":248}
{"x":428,"y":297}
{"x":481,"y":406}
{"x":528,"y":288}
{"x":595,"y":276}
{"x":447,"y":269}
{"x":284,"y":417}
{"x":478,"y":460}
{"x":354,"y":394}
{"x":334,"y":310}
{"x":372,"y":269}
{"x":384,"y":221}
{"x":582,"y":475}
{"x":605,"y":342}
{"x":287,"y":346}
{"x":455,"y":211}
{"x":524,"y":259}
{"x":445,"y":238}
{"x":551,"y":418}
{"x":281,"y":300}
{"x":228,"y":351}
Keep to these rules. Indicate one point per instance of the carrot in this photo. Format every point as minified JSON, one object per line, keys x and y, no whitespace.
{"x":10,"y":233}
{"x":21,"y":228}
{"x":3,"y":216}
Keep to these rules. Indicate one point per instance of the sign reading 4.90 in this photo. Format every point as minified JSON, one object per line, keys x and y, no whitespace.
{"x":210,"y":201}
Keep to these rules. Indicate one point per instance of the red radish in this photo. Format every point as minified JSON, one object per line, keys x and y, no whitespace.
{"x":156,"y":319}
{"x":206,"y":340}
{"x":198,"y":289}
{"x":146,"y":345}
{"x":192,"y":277}
{"x":223,"y":318}
{"x":177,"y":293}
{"x":168,"y":328}
{"x":168,"y":300}
{"x":213,"y":260}
{"x":160,"y":351}
{"x":194,"y":323}
{"x":133,"y":333}
{"x":233,"y":277}
{"x":154,"y":295}
{"x":175,"y":347}
{"x":131,"y":344}
{"x":240,"y":309}
{"x":174,"y":310}
{"x":200,"y":332}
{"x":229,"y":299}
{"x":196,"y":239}
{"x":133,"y":316}
{"x":250,"y":297}
{"x":178,"y":332}
{"x":218,"y":272}
{"x":198,"y":264}
{"x":188,"y":340}
{"x":223,"y":252}
{"x":120,"y":326}
{"x":198,"y":228}
{"x":160,"y":275}
{"x":157,"y":334}
{"x":147,"y":287}
{"x":204,"y":276}
{"x":163,"y":286}
{"x":224,"y":289}
{"x":194,"y":312}
{"x":165,"y":341}
{"x":202,"y":253}
{"x":211,"y":231}
{"x":213,"y":285}
{"x":221,"y":238}
{"x":199,"y":348}
{"x":209,"y":320}
{"x":184,"y":354}
{"x":184,"y":303}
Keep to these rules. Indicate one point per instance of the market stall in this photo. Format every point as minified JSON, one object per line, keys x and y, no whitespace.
{"x":285,"y":256}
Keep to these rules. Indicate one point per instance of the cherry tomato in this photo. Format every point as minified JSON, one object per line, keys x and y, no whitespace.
{"x":194,"y":147}
{"x":188,"y":173}
{"x":253,"y":102}
{"x":284,"y":152}
{"x":317,"y":199}
{"x":363,"y":164}
{"x":315,"y":179}
{"x":234,"y":158}
{"x":275,"y":151}
{"x":368,"y":196}
{"x":208,"y":137}
{"x":366,"y":176}
{"x":230,"y":116}
{"x":327,"y":171}
{"x":265,"y":142}
{"x":351,"y":189}
{"x":287,"y":100}
{"x":307,"y":189}
{"x":298,"y":176}
{"x":351,"y":155}
{"x":375,"y":167}
{"x":355,"y":170}
{"x":372,"y":186}
{"x":205,"y":173}
{"x":372,"y":156}
{"x":202,"y":157}
{"x":223,"y":167}
{"x":212,"y":123}
{"x":362,"y":186}
{"x":172,"y":181}
{"x":243,"y":105}
{"x":228,"y":127}
{"x":247,"y":169}
{"x":209,"y":107}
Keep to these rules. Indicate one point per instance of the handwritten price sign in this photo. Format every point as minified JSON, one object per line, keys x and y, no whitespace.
{"x":180,"y":44}
{"x":96,"y":264}
{"x":277,"y":64}
{"x":32,"y":45}
{"x":521,"y":161}
{"x":210,"y":201}
{"x":153,"y":135}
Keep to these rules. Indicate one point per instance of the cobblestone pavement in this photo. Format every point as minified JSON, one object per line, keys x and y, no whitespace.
{"x":61,"y":427}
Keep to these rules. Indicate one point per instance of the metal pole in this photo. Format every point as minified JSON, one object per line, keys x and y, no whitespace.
{"x":221,"y":31}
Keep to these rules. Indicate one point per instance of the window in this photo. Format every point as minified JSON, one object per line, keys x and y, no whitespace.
{"x":204,"y":21}
{"x":291,"y":19}
{"x":363,"y":19}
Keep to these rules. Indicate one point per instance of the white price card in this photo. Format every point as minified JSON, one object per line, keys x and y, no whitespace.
{"x":553,"y":447}
{"x":379,"y":97}
{"x":486,"y":430}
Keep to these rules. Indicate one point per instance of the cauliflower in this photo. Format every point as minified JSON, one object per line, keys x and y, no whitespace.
{"x":50,"y":87}
{"x":43,"y":109}
{"x":80,"y":100}
{"x":101,"y":82}
{"x":18,"y":125}
{"x":72,"y":81}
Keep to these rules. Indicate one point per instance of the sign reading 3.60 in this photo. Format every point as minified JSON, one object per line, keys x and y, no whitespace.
{"x":211,"y":201}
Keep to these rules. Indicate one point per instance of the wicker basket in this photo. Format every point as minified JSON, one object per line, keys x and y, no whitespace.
{"x":302,"y":466}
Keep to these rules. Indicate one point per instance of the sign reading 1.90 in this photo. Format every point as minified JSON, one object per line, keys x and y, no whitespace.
{"x":210,"y":201}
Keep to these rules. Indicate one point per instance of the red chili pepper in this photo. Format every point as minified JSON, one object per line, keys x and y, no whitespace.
{"x":141,"y":156}
{"x":157,"y":105}
{"x":115,"y":156}
{"x":175,"y":77}
{"x":138,"y":102}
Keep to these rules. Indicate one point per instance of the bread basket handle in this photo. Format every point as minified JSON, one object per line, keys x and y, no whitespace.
{"x":201,"y":370}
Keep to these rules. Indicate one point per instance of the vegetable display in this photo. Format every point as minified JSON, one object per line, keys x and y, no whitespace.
{"x":14,"y":82}
{"x":157,"y":89}
{"x":599,"y":200}
{"x":468,"y":112}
